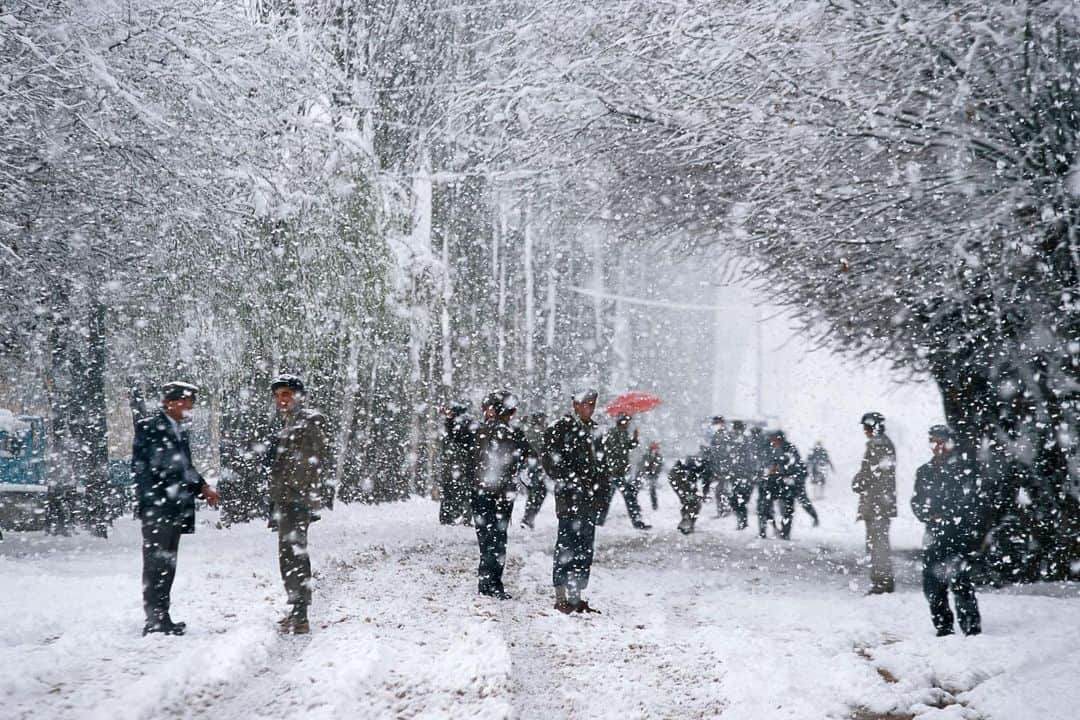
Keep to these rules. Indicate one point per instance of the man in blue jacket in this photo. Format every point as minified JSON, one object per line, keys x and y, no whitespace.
{"x":947,"y":500}
{"x":167,"y":484}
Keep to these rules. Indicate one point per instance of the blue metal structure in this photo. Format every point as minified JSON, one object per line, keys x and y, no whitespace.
{"x":23,"y":470}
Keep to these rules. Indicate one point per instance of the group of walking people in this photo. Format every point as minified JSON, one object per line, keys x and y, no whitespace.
{"x":484,"y":461}
{"x":739,"y":459}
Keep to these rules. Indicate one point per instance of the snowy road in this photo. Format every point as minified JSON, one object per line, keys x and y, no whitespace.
{"x":719,"y":624}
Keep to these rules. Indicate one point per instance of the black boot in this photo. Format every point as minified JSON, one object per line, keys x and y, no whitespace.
{"x":299,"y":625}
{"x":165,"y":626}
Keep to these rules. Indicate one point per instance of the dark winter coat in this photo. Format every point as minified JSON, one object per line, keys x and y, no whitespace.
{"x":458,"y":453}
{"x":502,"y":452}
{"x":166,"y":481}
{"x":947,"y":499}
{"x":685,"y":477}
{"x":784,"y":469}
{"x":299,"y":460}
{"x":746,"y":458}
{"x":649,"y":467}
{"x":875,"y":483}
{"x":571,"y":458}
{"x":718,"y":456}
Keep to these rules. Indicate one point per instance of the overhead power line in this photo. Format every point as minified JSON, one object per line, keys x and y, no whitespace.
{"x":649,"y":303}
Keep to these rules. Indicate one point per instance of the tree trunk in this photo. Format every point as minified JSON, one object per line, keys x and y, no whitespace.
{"x":80,"y":454}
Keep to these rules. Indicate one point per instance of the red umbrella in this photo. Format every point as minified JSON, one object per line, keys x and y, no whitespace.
{"x":632,"y":403}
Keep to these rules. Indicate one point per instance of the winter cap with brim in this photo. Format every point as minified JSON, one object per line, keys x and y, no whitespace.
{"x":285,"y":380}
{"x":941,"y":432}
{"x":872,"y":418}
{"x":587,"y":395}
{"x":500,"y":402}
{"x":177,"y":390}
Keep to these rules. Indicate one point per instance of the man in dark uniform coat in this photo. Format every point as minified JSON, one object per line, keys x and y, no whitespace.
{"x":947,"y":500}
{"x":501,"y":454}
{"x":167,"y":484}
{"x":581,"y":488}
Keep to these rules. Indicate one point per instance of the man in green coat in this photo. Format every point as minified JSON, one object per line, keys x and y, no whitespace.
{"x":875,"y":484}
{"x":299,"y":464}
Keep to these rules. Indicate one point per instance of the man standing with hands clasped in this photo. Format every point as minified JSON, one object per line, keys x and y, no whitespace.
{"x":581,"y":492}
{"x":299,"y":460}
{"x":166,"y":485}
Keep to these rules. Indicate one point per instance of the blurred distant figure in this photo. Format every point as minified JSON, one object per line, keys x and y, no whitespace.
{"x":648,"y":471}
{"x":457,"y":456}
{"x":785,"y":478}
{"x":745,"y":468}
{"x":537,"y":490}
{"x":717,"y":456}
{"x":685,"y":478}
{"x":947,"y":499}
{"x":819,"y":467}
{"x":618,"y":442}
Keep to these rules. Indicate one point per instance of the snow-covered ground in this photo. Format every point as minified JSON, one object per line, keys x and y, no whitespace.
{"x":718,"y":624}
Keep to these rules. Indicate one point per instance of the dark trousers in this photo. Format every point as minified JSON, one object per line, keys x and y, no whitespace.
{"x":786,"y":496}
{"x":944,"y":569}
{"x":491,"y":517}
{"x":877,"y":547}
{"x":689,"y":506}
{"x":740,"y":497}
{"x":722,"y":491}
{"x":765,"y":498}
{"x":292,"y":523}
{"x":804,"y":501}
{"x":456,"y":493}
{"x":652,"y":494}
{"x":537,"y":493}
{"x":161,"y":541}
{"x":629,"y":490}
{"x":573,"y":553}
